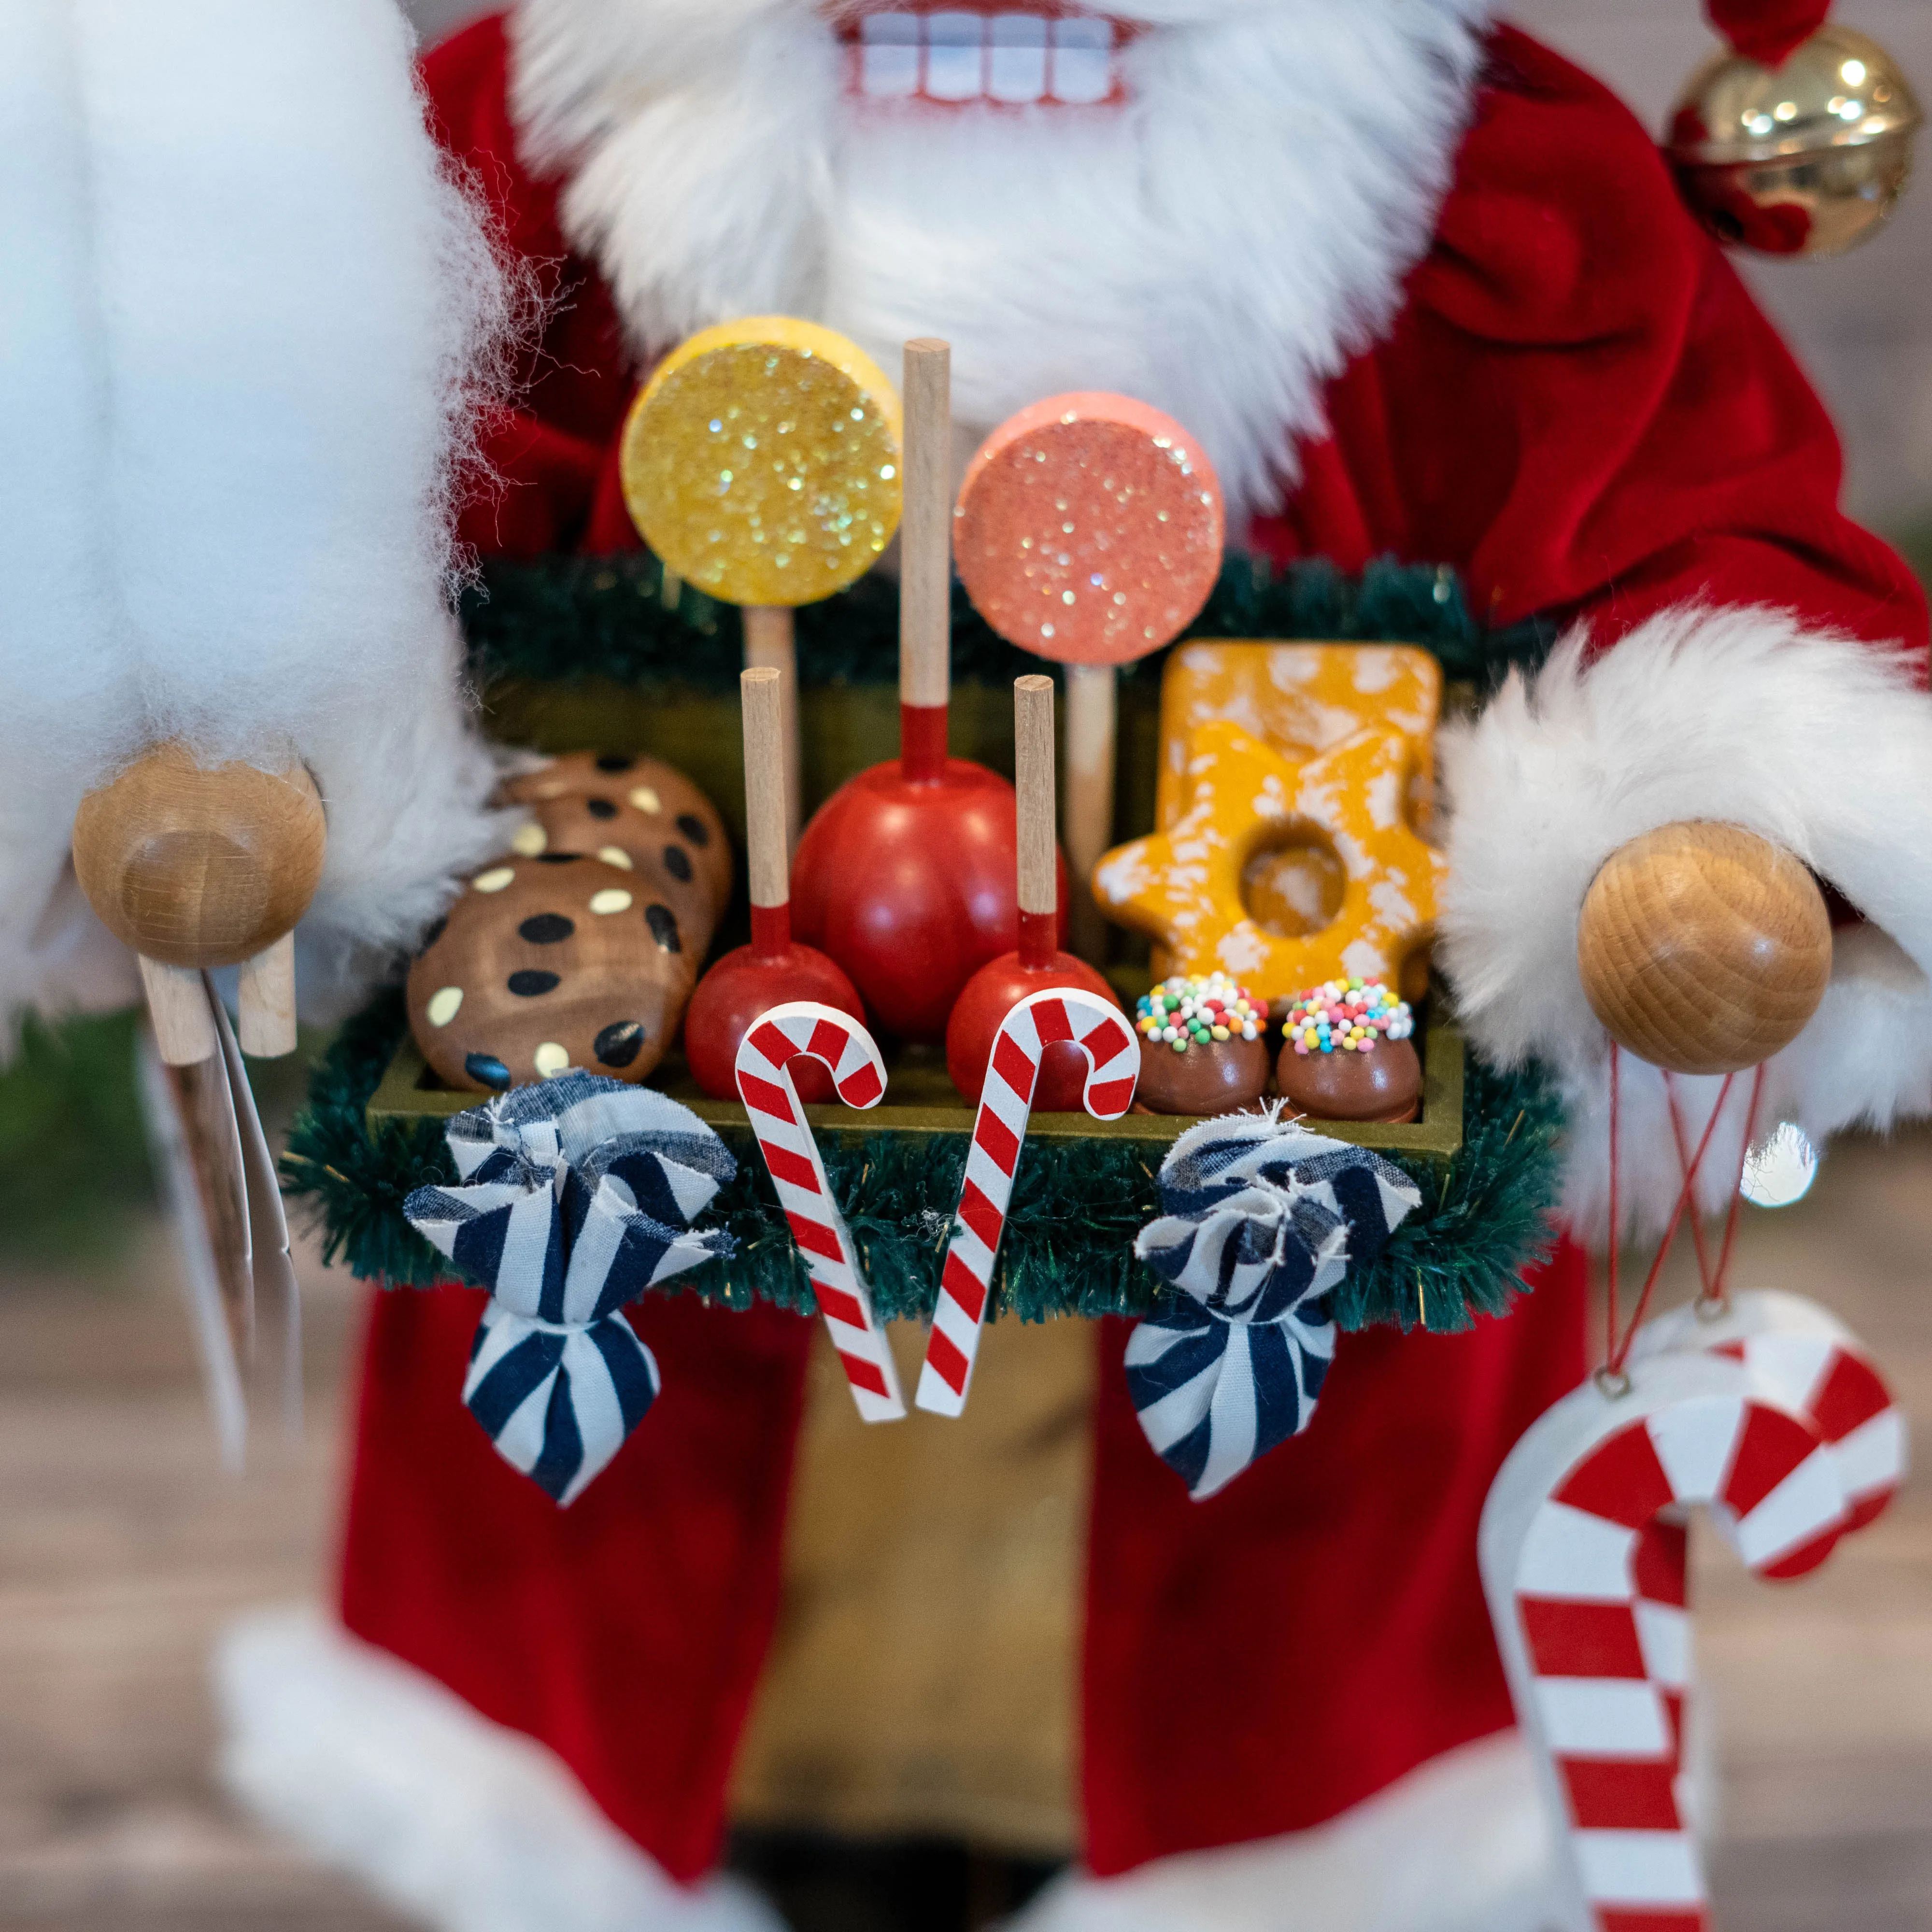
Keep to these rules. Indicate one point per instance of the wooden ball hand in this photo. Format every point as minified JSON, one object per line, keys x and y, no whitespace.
{"x":1703,"y":948}
{"x":194,"y":867}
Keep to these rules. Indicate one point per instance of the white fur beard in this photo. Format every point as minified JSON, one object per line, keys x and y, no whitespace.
{"x":247,"y":313}
{"x":1219,"y":246}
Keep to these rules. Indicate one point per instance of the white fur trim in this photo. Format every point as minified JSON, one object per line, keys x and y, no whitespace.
{"x":1818,"y":742}
{"x":472,"y":1828}
{"x":1461,"y":1845}
{"x":1218,"y":246}
{"x":243,"y":317}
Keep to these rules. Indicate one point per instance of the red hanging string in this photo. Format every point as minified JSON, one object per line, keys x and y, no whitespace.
{"x":1610,"y":1258}
{"x":1717,"y":1294}
{"x":1617,"y":1347}
{"x":1715,"y":1281}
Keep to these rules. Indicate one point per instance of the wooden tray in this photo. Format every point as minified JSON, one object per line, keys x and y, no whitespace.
{"x":920,"y":1100}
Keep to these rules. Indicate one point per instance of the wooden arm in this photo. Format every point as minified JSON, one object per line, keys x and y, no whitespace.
{"x":1703,"y":948}
{"x":196,"y":867}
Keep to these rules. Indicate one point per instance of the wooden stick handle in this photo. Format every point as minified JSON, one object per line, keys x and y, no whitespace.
{"x":1091,"y":722}
{"x":1032,"y":764}
{"x":925,"y":526}
{"x":267,"y":1006}
{"x":761,"y":691}
{"x":771,"y":644}
{"x":177,"y":1003}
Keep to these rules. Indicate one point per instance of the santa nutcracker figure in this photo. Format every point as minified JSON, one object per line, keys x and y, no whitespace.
{"x":1422,"y":289}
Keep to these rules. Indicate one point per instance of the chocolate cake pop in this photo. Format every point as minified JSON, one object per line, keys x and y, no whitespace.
{"x":1204,"y":1047}
{"x":1346,"y":1054}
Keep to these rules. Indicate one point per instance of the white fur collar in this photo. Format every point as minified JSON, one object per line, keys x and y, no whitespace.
{"x":1218,"y":245}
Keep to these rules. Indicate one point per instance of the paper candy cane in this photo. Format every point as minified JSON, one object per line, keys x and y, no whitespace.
{"x":801,"y":1029}
{"x":1064,"y":1013}
{"x":1583,"y":1560}
{"x":1803,"y":1356}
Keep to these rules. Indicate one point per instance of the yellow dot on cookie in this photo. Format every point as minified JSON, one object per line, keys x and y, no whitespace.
{"x":529,"y":841}
{"x":613,"y":898}
{"x":616,"y":855}
{"x":444,"y":1005}
{"x":494,"y":881}
{"x":645,"y":799}
{"x":550,"y":1059}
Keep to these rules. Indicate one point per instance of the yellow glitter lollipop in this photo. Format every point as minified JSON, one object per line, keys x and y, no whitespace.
{"x":762,"y":464}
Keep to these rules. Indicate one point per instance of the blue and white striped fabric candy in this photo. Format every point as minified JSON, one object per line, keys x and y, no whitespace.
{"x":579,"y":1194}
{"x":1264,"y":1219}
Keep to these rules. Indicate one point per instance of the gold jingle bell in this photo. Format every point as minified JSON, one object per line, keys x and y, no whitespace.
{"x":1808,"y":158}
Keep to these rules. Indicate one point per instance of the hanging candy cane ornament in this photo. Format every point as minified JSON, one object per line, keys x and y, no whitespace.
{"x":1113,"y":1054}
{"x":1583,"y":1560}
{"x":1802,"y":1355}
{"x":800,"y":1030}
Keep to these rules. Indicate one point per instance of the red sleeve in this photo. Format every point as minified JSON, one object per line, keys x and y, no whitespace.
{"x":1589,"y":413}
{"x":573,"y":382}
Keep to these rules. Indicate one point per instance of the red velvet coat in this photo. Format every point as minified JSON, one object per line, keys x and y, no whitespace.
{"x":1581,"y":409}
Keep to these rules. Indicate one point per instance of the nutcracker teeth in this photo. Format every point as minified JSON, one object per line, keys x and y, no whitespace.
{"x":959,"y":55}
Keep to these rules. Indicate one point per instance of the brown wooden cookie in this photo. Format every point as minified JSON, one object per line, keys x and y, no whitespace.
{"x":603,"y":803}
{"x":550,"y":962}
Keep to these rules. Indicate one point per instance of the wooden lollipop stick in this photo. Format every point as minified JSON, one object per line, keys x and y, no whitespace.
{"x":1033,"y":765}
{"x":771,"y":644}
{"x":1092,"y":721}
{"x":925,"y":528}
{"x":768,"y":863}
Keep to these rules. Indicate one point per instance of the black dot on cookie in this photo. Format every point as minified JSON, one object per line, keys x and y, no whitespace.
{"x":527,"y":984}
{"x":546,"y":929}
{"x":664,"y":927}
{"x":600,"y":807}
{"x":489,"y":1069}
{"x":558,"y":858}
{"x":614,"y":761}
{"x":694,"y":828}
{"x":620,"y":1044}
{"x":435,"y":933}
{"x":677,"y":863}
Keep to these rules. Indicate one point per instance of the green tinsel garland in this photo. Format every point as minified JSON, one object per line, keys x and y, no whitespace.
{"x":1076,"y":1208}
{"x":565,"y":617}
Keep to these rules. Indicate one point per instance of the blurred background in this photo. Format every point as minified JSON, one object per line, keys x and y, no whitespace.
{"x":123,"y":1547}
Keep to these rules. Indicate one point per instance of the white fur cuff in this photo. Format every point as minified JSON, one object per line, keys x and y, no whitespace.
{"x":1819,"y":742}
{"x":469,"y":1826}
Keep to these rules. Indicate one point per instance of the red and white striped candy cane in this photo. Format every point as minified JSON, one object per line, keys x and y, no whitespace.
{"x":1803,"y":1356}
{"x":1039,"y":1020}
{"x":1582,"y":1558}
{"x":801,"y":1029}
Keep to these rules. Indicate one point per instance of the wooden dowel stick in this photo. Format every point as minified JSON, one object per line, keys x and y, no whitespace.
{"x":761,"y":692}
{"x":771,"y":644}
{"x":925,"y":526}
{"x":178,"y":1003}
{"x":1091,"y":723}
{"x":267,"y":1004}
{"x":1032,"y":760}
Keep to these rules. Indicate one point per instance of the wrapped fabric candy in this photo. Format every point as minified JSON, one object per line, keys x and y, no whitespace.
{"x":580,"y":1194}
{"x":1263,"y":1219}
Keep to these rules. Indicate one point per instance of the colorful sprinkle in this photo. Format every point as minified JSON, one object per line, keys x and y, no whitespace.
{"x":1350,"y":1015}
{"x":1183,"y":1012}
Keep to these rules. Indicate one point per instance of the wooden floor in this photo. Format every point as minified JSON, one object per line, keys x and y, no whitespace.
{"x":122,"y":1548}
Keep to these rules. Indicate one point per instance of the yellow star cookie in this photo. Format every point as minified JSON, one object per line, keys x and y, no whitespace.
{"x":1193,"y":886}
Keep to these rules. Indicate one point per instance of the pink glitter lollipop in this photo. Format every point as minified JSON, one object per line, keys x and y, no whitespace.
{"x":1089,"y":530}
